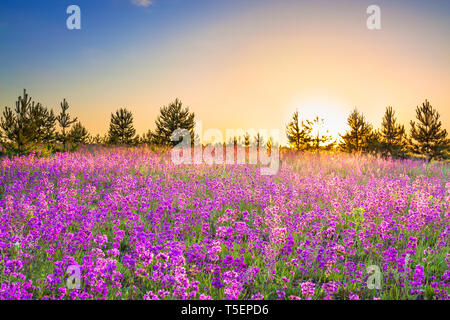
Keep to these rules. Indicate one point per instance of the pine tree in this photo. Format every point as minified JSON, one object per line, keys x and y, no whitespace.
{"x":78,"y":135}
{"x":359,"y":136}
{"x":374,"y":144}
{"x":97,"y":139}
{"x":17,"y":126}
{"x":319,"y":139}
{"x":150,"y":138}
{"x":171,"y":118}
{"x":65,"y":121}
{"x":427,"y":137}
{"x":45,"y":121}
{"x":298,"y":133}
{"x":269,"y":146}
{"x":392,"y":135}
{"x":232,"y":142}
{"x":27,"y":126}
{"x":121,"y":130}
{"x":259,"y":140}
{"x":247,"y":140}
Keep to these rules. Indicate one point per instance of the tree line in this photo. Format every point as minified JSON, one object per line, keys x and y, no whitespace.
{"x":32,"y":127}
{"x":426,"y":137}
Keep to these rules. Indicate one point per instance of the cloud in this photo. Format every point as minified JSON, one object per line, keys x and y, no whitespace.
{"x":142,"y":3}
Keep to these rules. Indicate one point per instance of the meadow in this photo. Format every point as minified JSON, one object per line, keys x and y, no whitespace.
{"x":126,"y":223}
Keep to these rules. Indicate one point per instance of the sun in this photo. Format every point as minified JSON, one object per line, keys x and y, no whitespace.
{"x":333,"y":114}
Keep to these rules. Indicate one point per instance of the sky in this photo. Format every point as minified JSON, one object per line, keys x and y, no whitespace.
{"x":236,"y":64}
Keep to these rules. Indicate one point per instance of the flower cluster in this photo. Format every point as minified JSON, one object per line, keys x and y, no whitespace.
{"x":127,"y":223}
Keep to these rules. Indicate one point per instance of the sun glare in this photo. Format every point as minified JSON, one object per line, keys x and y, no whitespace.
{"x":332,"y":113}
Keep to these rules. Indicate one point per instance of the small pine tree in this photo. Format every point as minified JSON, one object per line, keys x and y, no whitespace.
{"x":150,"y":138}
{"x":392,"y":135}
{"x":65,"y":121}
{"x":269,"y":146}
{"x":27,"y":126}
{"x":259,"y":140}
{"x":17,"y":126}
{"x":360,"y":133}
{"x":97,"y":139}
{"x":45,"y":122}
{"x":318,"y":139}
{"x":374,"y":144}
{"x":121,"y":130}
{"x":78,"y":135}
{"x":171,"y":118}
{"x":427,"y":137}
{"x":232,"y":142}
{"x":247,"y":140}
{"x":298,"y":133}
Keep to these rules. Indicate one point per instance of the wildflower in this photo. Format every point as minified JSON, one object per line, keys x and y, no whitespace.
{"x":330,"y":288}
{"x":353,"y":296}
{"x":217,"y":283}
{"x":257,"y":296}
{"x":307,"y":288}
{"x":281,"y":294}
{"x":151,"y":296}
{"x":418,"y":277}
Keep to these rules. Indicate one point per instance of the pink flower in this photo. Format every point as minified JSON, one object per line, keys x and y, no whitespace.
{"x":307,"y":288}
{"x":151,"y":296}
{"x":353,"y":296}
{"x":257,"y":296}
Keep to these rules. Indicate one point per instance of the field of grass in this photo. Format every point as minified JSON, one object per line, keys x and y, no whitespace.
{"x":131,"y":225}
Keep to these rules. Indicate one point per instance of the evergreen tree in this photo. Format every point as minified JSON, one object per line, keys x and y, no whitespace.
{"x":45,"y":122}
{"x":298,"y":133}
{"x":17,"y":126}
{"x":392,"y":135}
{"x":427,"y":137}
{"x":374,"y":143}
{"x":269,"y":146}
{"x":319,"y":139}
{"x":97,"y":139}
{"x":359,"y":136}
{"x":233,"y":141}
{"x":65,"y":121}
{"x":78,"y":135}
{"x":247,"y":139}
{"x":172,"y":117}
{"x":151,"y":139}
{"x":27,"y":126}
{"x":121,"y":130}
{"x":259,"y":140}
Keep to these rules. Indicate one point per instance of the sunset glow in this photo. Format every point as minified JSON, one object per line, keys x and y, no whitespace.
{"x":236,"y":64}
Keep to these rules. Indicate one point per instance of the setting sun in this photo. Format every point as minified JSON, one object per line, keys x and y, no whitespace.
{"x":331,"y":112}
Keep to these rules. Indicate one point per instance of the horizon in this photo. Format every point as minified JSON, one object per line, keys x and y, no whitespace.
{"x":222,"y":59}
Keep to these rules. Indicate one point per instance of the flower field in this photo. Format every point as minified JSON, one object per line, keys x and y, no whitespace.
{"x":129,"y":224}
